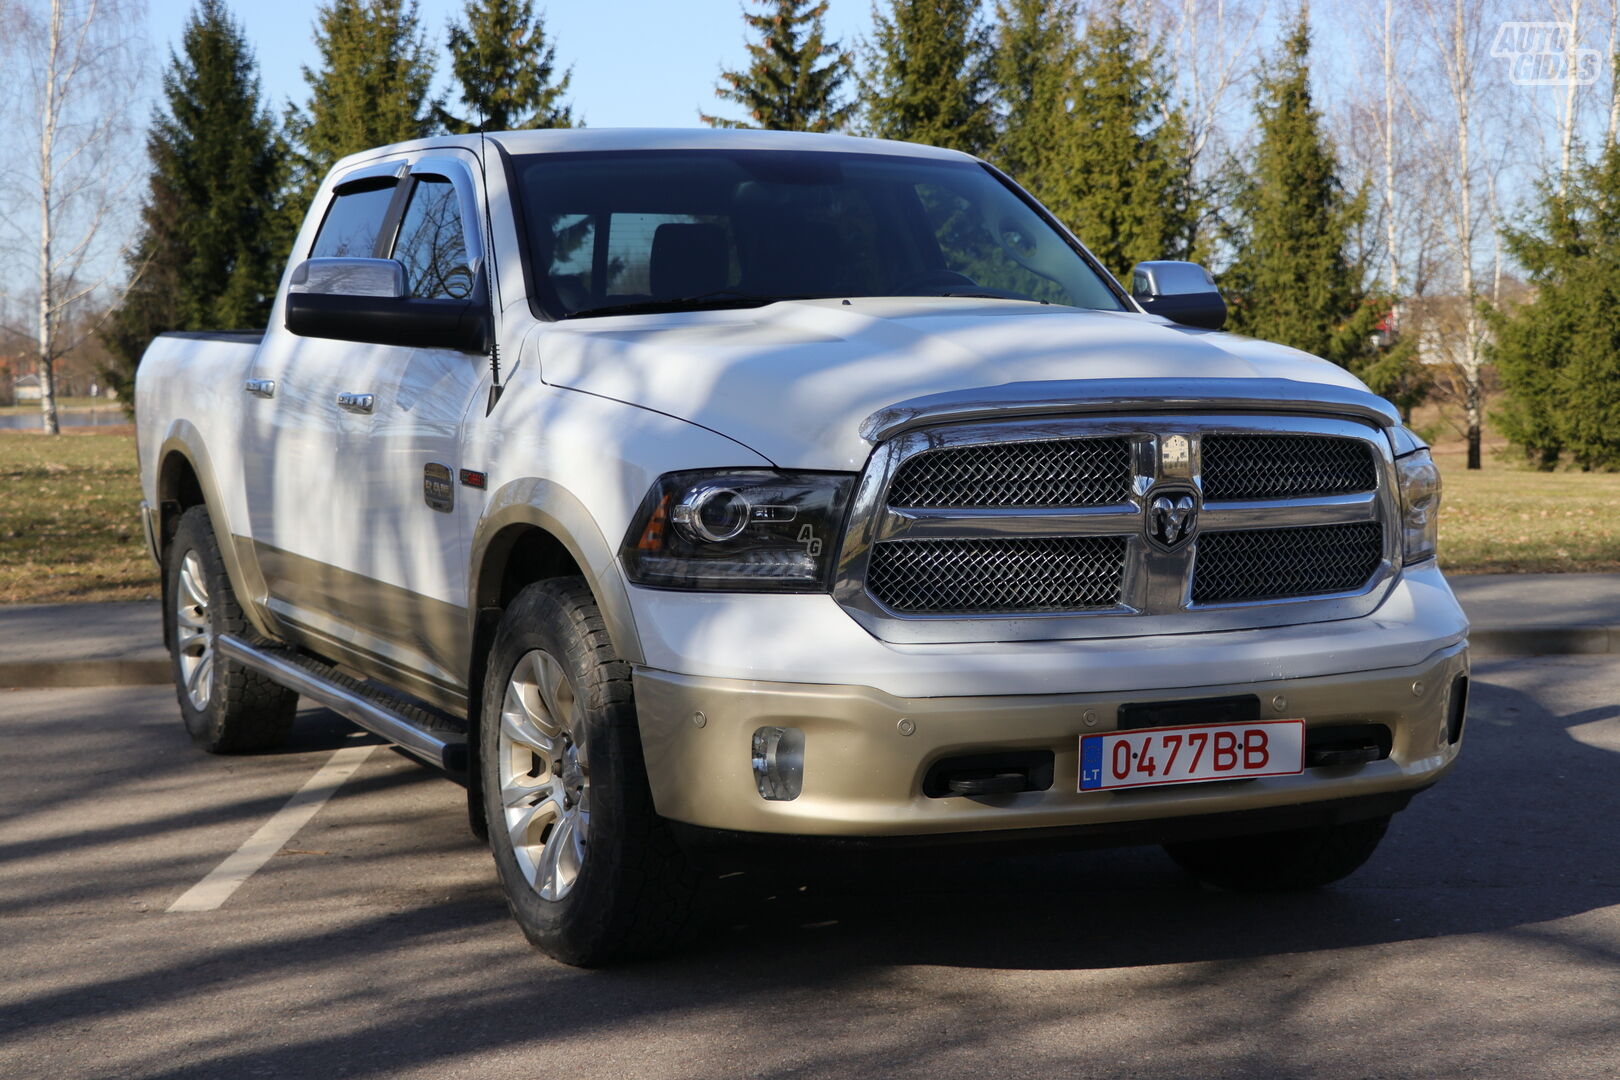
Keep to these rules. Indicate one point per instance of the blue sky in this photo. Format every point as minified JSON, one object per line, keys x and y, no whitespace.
{"x":636,"y":62}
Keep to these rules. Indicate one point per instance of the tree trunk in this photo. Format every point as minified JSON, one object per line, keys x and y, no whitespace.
{"x":1472,"y":376}
{"x":1391,"y":234}
{"x":1475,"y":410}
{"x":47,"y":317}
{"x":1566,"y":131}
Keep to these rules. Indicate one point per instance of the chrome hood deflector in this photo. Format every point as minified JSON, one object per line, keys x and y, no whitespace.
{"x":1070,"y":397}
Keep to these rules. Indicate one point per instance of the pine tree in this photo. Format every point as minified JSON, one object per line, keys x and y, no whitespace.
{"x":1559,"y":357}
{"x":205,"y":256}
{"x":506,"y":69}
{"x":928,"y":76}
{"x":371,"y":89}
{"x":1032,"y":68}
{"x":1293,"y":279}
{"x":783,"y":88}
{"x":1112,"y":161}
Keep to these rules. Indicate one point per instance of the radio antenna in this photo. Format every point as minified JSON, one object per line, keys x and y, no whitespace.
{"x":492,"y":279}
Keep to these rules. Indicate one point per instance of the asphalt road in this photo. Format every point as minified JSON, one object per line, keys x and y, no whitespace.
{"x":1482,"y":941}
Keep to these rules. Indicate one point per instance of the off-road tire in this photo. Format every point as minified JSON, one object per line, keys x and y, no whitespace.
{"x":635,"y":891}
{"x":1282,"y":861}
{"x":245,"y":711}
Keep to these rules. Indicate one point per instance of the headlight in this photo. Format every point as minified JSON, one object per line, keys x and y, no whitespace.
{"x":1420,"y":505}
{"x":743,"y":530}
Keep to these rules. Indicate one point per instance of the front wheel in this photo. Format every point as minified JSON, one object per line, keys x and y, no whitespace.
{"x":591,"y":872}
{"x":1283,"y":861}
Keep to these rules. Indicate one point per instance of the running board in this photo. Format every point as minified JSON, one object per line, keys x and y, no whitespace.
{"x":437,"y":739}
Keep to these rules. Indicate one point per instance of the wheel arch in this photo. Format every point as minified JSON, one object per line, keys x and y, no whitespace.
{"x":534,"y":530}
{"x":185,"y":478}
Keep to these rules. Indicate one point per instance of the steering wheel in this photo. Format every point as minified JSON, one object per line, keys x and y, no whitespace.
{"x":930,"y":279}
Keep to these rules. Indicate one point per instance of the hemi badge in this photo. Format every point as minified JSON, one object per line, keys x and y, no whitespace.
{"x":1175,"y":457}
{"x":474,"y":479}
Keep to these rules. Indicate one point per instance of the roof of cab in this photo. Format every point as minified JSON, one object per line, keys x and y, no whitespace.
{"x":574,"y":139}
{"x":566,"y":140}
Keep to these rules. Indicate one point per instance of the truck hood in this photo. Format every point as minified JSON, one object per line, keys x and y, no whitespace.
{"x":808,"y":384}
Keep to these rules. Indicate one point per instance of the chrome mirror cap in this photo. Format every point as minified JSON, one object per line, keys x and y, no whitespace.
{"x":349,"y":277}
{"x":1182,"y":292}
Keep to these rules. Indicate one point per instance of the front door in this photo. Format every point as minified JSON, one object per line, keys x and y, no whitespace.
{"x":359,"y":522}
{"x":404,"y":470}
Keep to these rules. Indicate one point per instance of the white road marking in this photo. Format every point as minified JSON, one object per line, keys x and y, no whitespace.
{"x":258,"y":849}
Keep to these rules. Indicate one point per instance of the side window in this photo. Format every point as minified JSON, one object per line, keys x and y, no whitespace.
{"x":431,"y":243}
{"x":353,"y":221}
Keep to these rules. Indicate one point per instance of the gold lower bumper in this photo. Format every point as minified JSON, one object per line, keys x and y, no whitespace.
{"x":866,"y":753}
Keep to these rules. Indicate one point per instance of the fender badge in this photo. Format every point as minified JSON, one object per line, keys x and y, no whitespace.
{"x":437,"y":490}
{"x":474,"y":479}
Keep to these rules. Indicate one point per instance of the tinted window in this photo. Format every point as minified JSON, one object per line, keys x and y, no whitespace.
{"x":431,"y":243}
{"x":994,"y":251}
{"x":633,"y":241}
{"x":614,"y":228}
{"x":352,"y":223}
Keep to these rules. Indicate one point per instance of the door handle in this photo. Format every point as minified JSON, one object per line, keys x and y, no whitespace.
{"x":260,"y":387}
{"x":356,"y":403}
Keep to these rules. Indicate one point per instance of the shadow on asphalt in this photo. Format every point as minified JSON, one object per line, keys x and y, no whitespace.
{"x":1521,"y":833}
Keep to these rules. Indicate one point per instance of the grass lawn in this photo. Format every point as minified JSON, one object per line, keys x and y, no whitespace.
{"x":70,"y":530}
{"x":1504,"y":520}
{"x":31,"y":408}
{"x":70,"y":527}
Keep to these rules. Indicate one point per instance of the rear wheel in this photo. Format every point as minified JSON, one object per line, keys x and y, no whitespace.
{"x":227,"y":708}
{"x":1283,"y":861}
{"x":591,"y":872}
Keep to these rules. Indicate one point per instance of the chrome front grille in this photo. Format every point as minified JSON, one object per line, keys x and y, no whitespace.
{"x":1026,"y":574}
{"x":1045,"y":473}
{"x":1248,"y":466}
{"x":1273,"y":564}
{"x":1039,"y":529}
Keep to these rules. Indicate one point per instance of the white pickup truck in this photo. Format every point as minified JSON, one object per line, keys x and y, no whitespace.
{"x":699,"y":491}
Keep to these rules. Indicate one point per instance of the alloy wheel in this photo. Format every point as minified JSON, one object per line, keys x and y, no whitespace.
{"x":544,"y":775}
{"x":194,"y":632}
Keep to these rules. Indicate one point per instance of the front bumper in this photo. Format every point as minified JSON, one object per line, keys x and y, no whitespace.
{"x":863,"y":775}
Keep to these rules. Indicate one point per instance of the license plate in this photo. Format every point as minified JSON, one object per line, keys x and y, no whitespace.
{"x":1192,"y":754}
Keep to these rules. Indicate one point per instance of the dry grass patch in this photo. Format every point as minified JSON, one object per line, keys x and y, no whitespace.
{"x":1503,"y":520}
{"x":70,"y":527}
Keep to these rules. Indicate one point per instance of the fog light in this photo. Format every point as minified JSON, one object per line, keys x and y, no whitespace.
{"x":779,"y":763}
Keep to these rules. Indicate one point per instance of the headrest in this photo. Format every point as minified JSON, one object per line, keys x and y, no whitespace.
{"x":688,"y":260}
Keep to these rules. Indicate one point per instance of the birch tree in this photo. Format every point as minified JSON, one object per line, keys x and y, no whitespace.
{"x":1214,"y":49}
{"x":73,"y":65}
{"x":1569,"y":113}
{"x":1212,"y":53}
{"x":1458,"y":31}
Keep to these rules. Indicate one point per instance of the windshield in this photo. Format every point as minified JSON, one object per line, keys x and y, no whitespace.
{"x":663,"y":230}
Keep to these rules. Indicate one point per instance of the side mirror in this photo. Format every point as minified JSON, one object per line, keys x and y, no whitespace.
{"x":367,"y":300}
{"x":1182,"y":292}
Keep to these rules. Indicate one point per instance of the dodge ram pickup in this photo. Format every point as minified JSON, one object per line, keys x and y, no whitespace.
{"x":690,"y":491}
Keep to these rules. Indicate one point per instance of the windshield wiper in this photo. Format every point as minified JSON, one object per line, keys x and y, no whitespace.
{"x":723,"y":298}
{"x":992,"y":294}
